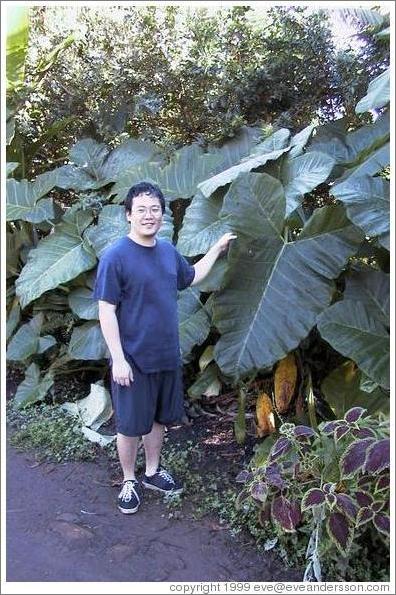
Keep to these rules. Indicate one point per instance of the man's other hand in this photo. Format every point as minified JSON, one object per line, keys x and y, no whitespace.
{"x":122,"y":372}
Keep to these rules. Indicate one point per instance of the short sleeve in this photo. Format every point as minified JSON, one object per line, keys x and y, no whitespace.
{"x":108,"y":279}
{"x":185,"y":272}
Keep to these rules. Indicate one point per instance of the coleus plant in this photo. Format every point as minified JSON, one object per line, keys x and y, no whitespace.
{"x":330,"y":482}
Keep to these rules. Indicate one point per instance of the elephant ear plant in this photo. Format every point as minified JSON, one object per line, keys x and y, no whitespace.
{"x":328,"y":484}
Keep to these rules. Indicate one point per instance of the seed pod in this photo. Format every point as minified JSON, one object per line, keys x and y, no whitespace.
{"x":285,"y":382}
{"x":265,"y":415}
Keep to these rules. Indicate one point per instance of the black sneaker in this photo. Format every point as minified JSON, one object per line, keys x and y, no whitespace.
{"x":162,"y":481}
{"x":128,"y":498}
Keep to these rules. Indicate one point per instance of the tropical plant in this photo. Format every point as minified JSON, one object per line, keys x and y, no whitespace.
{"x":325,"y":484}
{"x":175,"y":75}
{"x":291,"y":271}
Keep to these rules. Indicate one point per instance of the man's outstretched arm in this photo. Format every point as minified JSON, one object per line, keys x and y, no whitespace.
{"x":203,"y":266}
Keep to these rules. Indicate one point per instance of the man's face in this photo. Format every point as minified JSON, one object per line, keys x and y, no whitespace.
{"x":146,"y":215}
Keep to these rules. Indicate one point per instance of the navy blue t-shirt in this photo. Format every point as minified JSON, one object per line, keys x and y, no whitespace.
{"x":143,"y":281}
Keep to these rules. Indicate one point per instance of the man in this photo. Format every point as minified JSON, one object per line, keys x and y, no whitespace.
{"x":137,"y":282}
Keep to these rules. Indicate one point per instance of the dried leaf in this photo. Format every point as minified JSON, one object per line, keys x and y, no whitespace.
{"x":285,"y":382}
{"x":265,"y":415}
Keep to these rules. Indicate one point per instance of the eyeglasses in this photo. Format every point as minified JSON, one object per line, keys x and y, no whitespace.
{"x":156,"y":211}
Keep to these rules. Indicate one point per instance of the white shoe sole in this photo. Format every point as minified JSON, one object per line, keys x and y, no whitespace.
{"x":129,"y":510}
{"x":149,"y":486}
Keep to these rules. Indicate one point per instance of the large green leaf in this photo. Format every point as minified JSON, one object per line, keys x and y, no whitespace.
{"x":378,"y":93}
{"x":302,"y":174}
{"x":268,"y":150}
{"x":25,"y":341}
{"x":17,"y":43}
{"x":112,"y":225}
{"x":23,"y":199}
{"x":299,"y":140}
{"x":130,"y":153}
{"x":87,"y":342}
{"x":96,"y":166}
{"x":187,"y":169}
{"x":375,"y":162}
{"x":275,"y":290}
{"x":201,"y":224}
{"x":353,"y":148}
{"x":367,"y":203}
{"x":58,"y":258}
{"x":45,"y":343}
{"x":350,"y":328}
{"x":33,"y":389}
{"x":82,"y":303}
{"x":194,"y":322}
{"x":342,"y":391}
{"x":207,"y":383}
{"x":13,"y":319}
{"x":238,"y":147}
{"x":372,"y":288}
{"x":179,"y":179}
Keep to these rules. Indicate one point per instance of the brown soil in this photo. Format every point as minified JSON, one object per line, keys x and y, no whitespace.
{"x":63,"y":523}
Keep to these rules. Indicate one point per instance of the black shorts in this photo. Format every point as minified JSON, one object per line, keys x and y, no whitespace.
{"x":155,"y":396}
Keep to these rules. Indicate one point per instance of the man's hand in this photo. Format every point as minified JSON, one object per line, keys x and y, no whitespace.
{"x":122,"y":372}
{"x":225,"y":240}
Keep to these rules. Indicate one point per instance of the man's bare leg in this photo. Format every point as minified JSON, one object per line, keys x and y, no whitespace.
{"x":152,"y":446}
{"x":127,"y":447}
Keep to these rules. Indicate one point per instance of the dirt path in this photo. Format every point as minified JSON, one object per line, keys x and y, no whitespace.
{"x":51,"y":536}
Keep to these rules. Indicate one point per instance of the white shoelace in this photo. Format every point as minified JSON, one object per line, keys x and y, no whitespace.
{"x":127,"y":490}
{"x":165,"y":475}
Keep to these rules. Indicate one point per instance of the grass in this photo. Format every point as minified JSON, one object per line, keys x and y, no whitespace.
{"x":53,"y":434}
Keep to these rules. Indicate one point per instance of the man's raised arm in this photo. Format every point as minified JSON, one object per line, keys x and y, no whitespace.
{"x":203,"y":266}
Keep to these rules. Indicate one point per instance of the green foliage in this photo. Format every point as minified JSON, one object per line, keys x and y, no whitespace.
{"x":175,"y":75}
{"x":50,"y":432}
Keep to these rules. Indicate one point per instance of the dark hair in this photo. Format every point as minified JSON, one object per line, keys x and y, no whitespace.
{"x":143,"y":188}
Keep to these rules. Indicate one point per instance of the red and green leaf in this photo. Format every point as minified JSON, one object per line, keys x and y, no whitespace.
{"x":364,"y":498}
{"x":354,"y":414}
{"x":286,"y":513}
{"x":331,"y":426}
{"x":259,"y":491}
{"x":364,"y":516}
{"x":340,"y":432}
{"x":363,"y":433}
{"x":354,"y":457}
{"x":378,"y":505}
{"x":312,"y":498}
{"x":340,"y":531}
{"x":281,"y":446}
{"x":306,"y":431}
{"x":382,"y":483}
{"x":381,"y":522}
{"x":347,"y":505}
{"x":378,"y":456}
{"x":274,"y":478}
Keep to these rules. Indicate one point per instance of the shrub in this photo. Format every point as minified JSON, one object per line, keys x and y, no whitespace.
{"x":327,"y":484}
